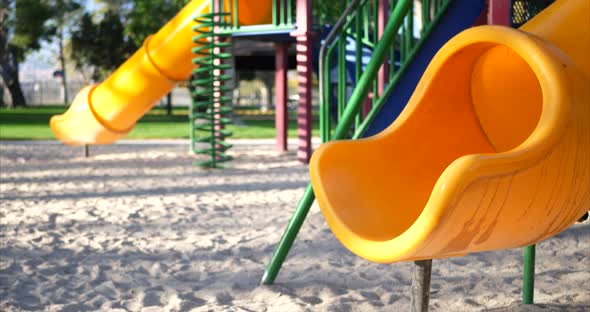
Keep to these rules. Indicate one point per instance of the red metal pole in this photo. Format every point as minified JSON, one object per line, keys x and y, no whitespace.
{"x":483,"y":17}
{"x":281,"y":114}
{"x":383,"y":73}
{"x":499,"y":12}
{"x":303,"y":35}
{"x":368,"y":104}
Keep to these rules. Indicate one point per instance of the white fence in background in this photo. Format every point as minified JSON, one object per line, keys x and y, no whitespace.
{"x":50,"y":92}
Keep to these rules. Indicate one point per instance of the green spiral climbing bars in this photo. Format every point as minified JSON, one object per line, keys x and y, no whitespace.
{"x":210,"y":91}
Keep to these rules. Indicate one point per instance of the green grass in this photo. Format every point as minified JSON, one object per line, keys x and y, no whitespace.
{"x":32,"y":123}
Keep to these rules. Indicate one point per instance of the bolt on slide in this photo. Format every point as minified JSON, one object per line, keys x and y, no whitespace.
{"x":492,"y":150}
{"x":105,"y":112}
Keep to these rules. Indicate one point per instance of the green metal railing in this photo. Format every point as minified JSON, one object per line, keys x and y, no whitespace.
{"x":209,"y":90}
{"x":283,"y":17}
{"x":324,"y":72}
{"x":358,"y":25}
{"x":395,"y":36}
{"x":407,"y":41}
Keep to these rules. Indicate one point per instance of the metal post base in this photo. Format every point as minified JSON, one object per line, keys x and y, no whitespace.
{"x":421,"y":285}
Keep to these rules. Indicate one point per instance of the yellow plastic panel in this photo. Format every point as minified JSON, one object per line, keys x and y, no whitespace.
{"x":114,"y":106}
{"x":492,"y":150}
{"x":507,"y":97}
{"x":251,"y":12}
{"x":80,"y":124}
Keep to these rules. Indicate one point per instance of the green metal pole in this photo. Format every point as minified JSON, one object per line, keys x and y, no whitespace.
{"x":289,"y":236}
{"x":359,"y":55}
{"x":425,"y":14}
{"x":342,"y":77}
{"x":528,"y":284}
{"x":213,"y":96}
{"x":237,"y":13}
{"x":325,"y":103}
{"x":275,"y":14}
{"x":324,"y":77}
{"x":356,"y":100}
{"x":360,"y":92}
{"x":289,"y":12}
{"x":396,"y":76}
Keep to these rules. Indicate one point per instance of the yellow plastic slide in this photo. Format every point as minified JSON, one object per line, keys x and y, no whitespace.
{"x":103,"y":113}
{"x":491,"y":152}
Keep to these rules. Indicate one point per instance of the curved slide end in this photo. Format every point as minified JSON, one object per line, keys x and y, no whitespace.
{"x":80,"y":126}
{"x":498,"y":159}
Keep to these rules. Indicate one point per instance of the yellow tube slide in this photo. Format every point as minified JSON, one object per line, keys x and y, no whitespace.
{"x":491,"y":152}
{"x":103,"y":113}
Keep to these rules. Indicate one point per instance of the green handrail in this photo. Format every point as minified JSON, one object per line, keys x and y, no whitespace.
{"x":427,"y":27}
{"x":358,"y":96}
{"x":350,"y":115}
{"x":528,"y":279}
{"x":324,"y":127}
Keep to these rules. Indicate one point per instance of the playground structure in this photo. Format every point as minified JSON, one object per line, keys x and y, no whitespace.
{"x":490,"y":149}
{"x":356,"y":105}
{"x":210,"y":87}
{"x":104,"y":113}
{"x":466,"y":164}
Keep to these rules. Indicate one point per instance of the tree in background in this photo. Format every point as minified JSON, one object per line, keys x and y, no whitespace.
{"x":120,"y":6}
{"x":23,"y":25}
{"x":101,"y":45}
{"x":63,"y":12}
{"x":120,"y":28}
{"x":147,"y":17}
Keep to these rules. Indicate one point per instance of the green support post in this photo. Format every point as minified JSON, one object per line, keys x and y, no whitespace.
{"x":353,"y":107}
{"x":289,"y":236}
{"x":275,"y":14}
{"x":210,"y":91}
{"x":528,"y":284}
{"x":324,"y":72}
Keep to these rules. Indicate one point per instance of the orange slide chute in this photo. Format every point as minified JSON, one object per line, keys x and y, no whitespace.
{"x":103,"y":113}
{"x":491,"y":152}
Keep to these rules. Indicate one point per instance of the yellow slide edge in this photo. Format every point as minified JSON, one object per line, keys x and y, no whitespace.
{"x":80,"y":125}
{"x":555,"y":72}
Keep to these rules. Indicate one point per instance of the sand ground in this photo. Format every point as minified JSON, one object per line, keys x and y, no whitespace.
{"x":136,"y":227}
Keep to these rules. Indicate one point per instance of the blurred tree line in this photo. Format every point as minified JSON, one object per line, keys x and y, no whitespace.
{"x":95,"y":41}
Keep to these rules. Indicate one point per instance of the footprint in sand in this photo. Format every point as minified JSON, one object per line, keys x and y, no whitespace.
{"x":313,"y":300}
{"x":224,"y":298}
